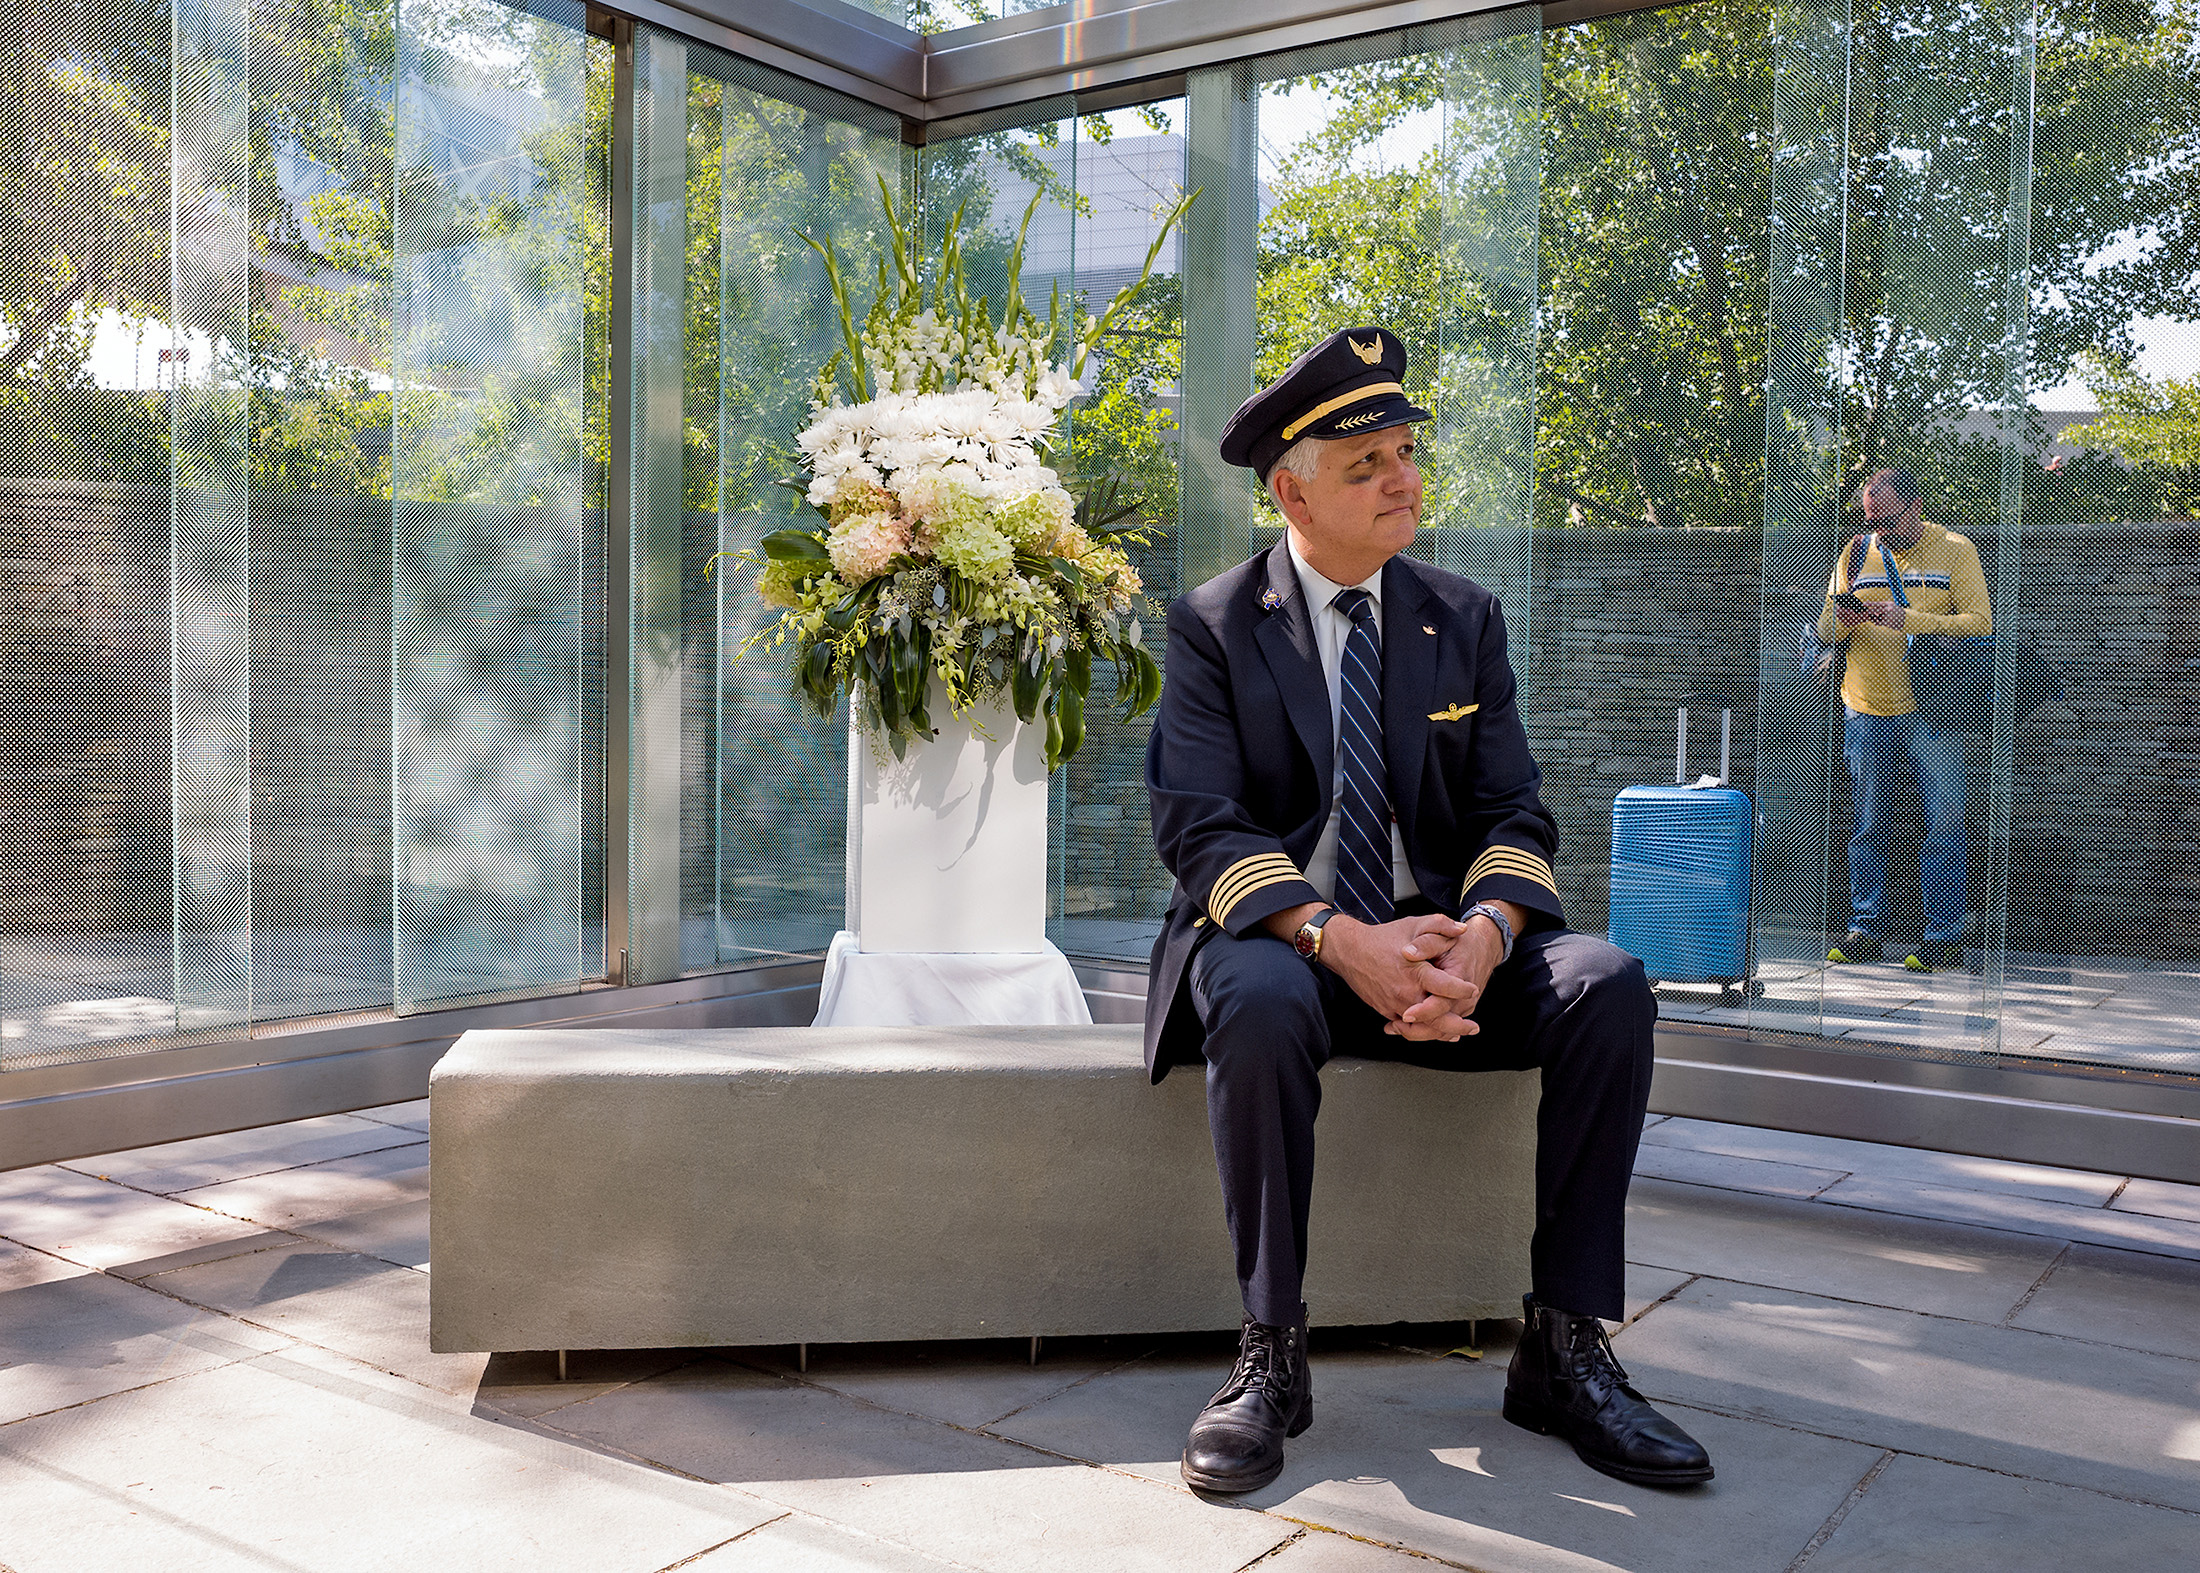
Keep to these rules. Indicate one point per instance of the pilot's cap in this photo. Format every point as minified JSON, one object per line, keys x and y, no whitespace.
{"x":1351,"y":382}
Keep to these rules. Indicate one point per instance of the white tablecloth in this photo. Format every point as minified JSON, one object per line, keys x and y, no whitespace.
{"x":940,"y":989}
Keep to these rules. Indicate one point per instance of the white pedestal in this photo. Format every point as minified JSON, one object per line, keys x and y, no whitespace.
{"x":947,"y":866}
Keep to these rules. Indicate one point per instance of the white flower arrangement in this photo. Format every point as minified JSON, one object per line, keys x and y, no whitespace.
{"x":952,"y":549}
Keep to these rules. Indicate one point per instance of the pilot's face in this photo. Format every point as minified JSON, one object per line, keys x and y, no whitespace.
{"x":1362,"y":505}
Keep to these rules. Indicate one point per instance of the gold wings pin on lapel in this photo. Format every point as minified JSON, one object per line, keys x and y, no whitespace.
{"x":1369,"y":353}
{"x":1454,"y":712}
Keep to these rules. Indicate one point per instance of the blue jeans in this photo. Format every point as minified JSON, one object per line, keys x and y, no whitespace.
{"x":1878,"y":747}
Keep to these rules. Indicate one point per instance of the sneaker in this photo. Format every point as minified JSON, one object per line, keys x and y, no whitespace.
{"x":1939,"y":956}
{"x":1855,"y":947}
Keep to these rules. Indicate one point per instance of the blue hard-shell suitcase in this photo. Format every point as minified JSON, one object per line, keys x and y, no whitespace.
{"x":1680,"y":877}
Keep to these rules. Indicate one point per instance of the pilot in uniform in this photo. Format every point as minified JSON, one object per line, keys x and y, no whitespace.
{"x":1342,"y":788}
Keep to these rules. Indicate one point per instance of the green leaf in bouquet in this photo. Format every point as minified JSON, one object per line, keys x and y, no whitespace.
{"x":1054,"y":740}
{"x":1030,"y":683}
{"x":817,"y":677}
{"x":1079,"y":666}
{"x":1069,"y":725}
{"x":1150,"y":692}
{"x":795,"y":546}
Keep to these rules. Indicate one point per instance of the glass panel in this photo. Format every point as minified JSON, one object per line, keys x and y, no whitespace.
{"x":739,"y":824}
{"x":322,"y":145}
{"x":489,"y":480}
{"x":1365,"y":150}
{"x":210,"y":598}
{"x":1109,"y":889}
{"x":86,"y":755}
{"x":1924,"y":373}
{"x":1798,"y":720}
{"x":2103,"y":903}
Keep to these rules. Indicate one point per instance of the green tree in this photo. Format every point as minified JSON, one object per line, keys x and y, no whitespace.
{"x":84,"y":184}
{"x":2149,"y":423}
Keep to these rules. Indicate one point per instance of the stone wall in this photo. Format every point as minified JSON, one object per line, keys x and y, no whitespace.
{"x":85,"y":763}
{"x":1625,"y":625}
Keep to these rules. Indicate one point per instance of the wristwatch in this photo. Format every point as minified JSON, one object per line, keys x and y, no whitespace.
{"x":1497,"y":916}
{"x":1308,"y":940}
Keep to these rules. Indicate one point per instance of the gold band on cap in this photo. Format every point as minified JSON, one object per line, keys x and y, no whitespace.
{"x":1356,"y":396}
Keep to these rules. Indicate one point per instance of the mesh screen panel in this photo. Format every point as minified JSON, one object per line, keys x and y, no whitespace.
{"x":86,"y":831}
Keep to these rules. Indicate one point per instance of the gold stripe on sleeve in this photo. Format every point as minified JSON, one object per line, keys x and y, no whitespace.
{"x":1515,"y":862}
{"x":1244,"y":877}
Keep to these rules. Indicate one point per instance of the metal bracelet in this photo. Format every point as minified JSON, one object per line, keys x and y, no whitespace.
{"x":1496,"y":916}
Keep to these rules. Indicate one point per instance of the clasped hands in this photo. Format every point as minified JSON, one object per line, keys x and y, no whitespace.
{"x":1423,"y":975}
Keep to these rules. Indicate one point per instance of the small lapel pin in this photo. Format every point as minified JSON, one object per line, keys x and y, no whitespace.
{"x":1428,"y":628}
{"x":1453,"y":712}
{"x":1271,"y":598}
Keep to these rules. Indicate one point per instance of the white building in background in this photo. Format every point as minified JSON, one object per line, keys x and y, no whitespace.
{"x":1128,"y":185}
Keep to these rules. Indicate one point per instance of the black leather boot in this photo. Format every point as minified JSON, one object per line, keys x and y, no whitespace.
{"x":1237,"y":1441}
{"x":1566,"y":1382}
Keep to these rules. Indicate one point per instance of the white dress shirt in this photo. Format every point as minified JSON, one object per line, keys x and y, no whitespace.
{"x":1331,"y":627}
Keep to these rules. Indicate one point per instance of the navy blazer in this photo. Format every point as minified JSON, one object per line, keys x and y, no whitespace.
{"x":1240,"y":765}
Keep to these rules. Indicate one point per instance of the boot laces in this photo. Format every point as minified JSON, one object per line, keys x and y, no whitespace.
{"x":1590,"y":1348}
{"x":1263,"y":1360}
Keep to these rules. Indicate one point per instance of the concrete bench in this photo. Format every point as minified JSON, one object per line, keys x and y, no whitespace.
{"x":661,"y":1188}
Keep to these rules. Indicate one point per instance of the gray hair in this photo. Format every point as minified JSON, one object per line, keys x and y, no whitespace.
{"x":1303,"y":459}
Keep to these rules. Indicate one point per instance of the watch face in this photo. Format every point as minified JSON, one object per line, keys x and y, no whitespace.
{"x":1307,"y":940}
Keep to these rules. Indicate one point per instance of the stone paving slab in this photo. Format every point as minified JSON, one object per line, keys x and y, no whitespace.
{"x":20,"y":1267}
{"x":209,"y":1160}
{"x":2019,"y":1214}
{"x":412,"y":1115}
{"x":375,"y":1203}
{"x":70,"y":1339}
{"x":1995,"y":1397}
{"x":1767,"y":1178}
{"x":304,"y":1461}
{"x":356,"y":1305}
{"x":1646,"y":1286}
{"x":1414,"y":1453}
{"x":964,"y":1383}
{"x":2119,"y":1297}
{"x":1945,"y":1268}
{"x":959,"y":1494}
{"x":1849,"y":1157}
{"x":1324,"y":1551}
{"x":527,"y":1385}
{"x":1921,"y":1514}
{"x":2160,"y":1198}
{"x":102,"y":1225}
{"x":797,"y":1543}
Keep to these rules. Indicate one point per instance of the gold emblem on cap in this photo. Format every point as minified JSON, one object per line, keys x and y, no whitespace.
{"x":1368,"y":353}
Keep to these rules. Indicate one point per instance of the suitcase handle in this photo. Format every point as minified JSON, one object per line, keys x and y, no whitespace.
{"x":1726,"y":748}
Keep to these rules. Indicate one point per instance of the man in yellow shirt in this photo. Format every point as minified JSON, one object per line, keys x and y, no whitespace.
{"x":1935,"y":587}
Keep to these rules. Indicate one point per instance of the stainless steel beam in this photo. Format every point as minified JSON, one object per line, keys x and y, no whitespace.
{"x":59,"y":1112}
{"x":1096,"y":44}
{"x":835,"y":46}
{"x":1111,"y":47}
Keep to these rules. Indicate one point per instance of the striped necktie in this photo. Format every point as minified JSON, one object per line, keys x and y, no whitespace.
{"x":1364,"y":881}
